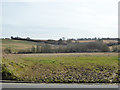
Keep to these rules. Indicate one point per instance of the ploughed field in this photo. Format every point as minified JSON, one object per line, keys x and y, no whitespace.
{"x":61,"y":67}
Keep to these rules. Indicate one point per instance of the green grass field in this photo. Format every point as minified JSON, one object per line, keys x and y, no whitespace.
{"x":61,"y":68}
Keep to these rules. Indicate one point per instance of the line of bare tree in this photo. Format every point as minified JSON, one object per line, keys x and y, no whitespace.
{"x":69,"y":48}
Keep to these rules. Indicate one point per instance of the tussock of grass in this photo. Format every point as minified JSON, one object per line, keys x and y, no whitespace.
{"x":72,"y":68}
{"x":7,"y":74}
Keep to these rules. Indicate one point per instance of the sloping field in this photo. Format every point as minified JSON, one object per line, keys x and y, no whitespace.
{"x":62,"y":68}
{"x":16,"y":45}
{"x":104,"y":41}
{"x":110,"y":41}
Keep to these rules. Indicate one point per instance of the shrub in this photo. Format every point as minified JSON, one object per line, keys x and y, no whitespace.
{"x":7,"y":50}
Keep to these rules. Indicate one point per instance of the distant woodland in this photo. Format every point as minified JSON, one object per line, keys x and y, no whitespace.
{"x":67,"y":46}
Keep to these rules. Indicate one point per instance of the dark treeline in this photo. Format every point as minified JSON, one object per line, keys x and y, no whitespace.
{"x":61,"y":40}
{"x":19,"y":38}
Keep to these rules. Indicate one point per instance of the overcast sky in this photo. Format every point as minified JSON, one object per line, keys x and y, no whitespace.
{"x":53,"y":19}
